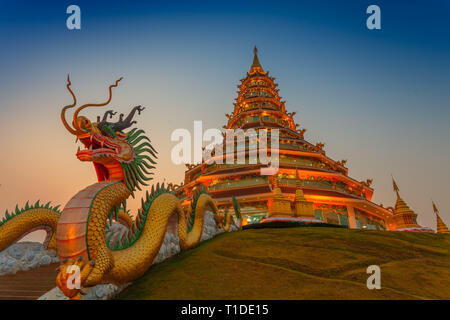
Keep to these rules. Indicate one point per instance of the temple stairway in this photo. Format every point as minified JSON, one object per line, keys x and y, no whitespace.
{"x":28,"y":285}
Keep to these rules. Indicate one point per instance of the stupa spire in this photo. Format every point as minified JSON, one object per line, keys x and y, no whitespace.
{"x":396,"y":189}
{"x":440,"y":225}
{"x":256,"y":65}
{"x":400,"y":204}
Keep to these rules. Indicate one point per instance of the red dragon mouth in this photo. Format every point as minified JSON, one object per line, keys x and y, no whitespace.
{"x":99,"y":150}
{"x":96,"y":146}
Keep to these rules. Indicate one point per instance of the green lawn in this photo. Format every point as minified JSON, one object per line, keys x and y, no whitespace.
{"x":303,"y":263}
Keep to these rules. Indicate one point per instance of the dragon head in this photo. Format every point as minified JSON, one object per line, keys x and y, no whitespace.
{"x":116,"y":155}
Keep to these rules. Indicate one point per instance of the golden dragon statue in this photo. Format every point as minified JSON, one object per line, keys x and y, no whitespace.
{"x":80,"y":232}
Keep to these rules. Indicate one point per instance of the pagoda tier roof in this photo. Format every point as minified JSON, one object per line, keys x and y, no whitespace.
{"x":273,"y":111}
{"x":270,"y":125}
{"x":257,"y":125}
{"x":251,"y":169}
{"x":242,"y":191}
{"x":242,"y":85}
{"x":304,"y":153}
{"x":255,"y":168}
{"x":263,"y":193}
{"x":246,"y":190}
{"x":285,"y":189}
{"x":257,"y":74}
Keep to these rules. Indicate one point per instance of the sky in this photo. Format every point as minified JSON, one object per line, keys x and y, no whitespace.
{"x":378,"y":98}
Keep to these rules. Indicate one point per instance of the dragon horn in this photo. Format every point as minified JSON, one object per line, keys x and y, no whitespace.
{"x":63,"y":111}
{"x":75,"y":116}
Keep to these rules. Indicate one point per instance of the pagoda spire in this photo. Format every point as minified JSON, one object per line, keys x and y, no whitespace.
{"x":256,"y":65}
{"x":400,"y":204}
{"x":396,"y":189}
{"x":440,"y":225}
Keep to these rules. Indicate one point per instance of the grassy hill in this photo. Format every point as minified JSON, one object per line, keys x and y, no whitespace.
{"x":303,"y":263}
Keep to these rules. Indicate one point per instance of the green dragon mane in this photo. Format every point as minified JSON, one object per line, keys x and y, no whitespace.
{"x":136,"y":172}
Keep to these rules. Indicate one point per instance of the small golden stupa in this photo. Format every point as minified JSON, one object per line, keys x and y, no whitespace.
{"x":279,"y":206}
{"x":403,"y":216}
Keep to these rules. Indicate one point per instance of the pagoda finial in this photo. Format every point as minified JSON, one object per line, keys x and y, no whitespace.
{"x":435,"y":209}
{"x":396,"y":189}
{"x":400,"y":204}
{"x":256,"y":64}
{"x":440,"y":225}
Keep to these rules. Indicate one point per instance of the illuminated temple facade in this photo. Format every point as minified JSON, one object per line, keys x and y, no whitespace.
{"x":308,"y":185}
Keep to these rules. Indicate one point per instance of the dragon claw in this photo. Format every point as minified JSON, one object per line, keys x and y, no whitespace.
{"x":66,"y":279}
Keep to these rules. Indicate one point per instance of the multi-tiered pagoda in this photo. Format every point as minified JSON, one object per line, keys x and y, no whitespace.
{"x":308,"y":185}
